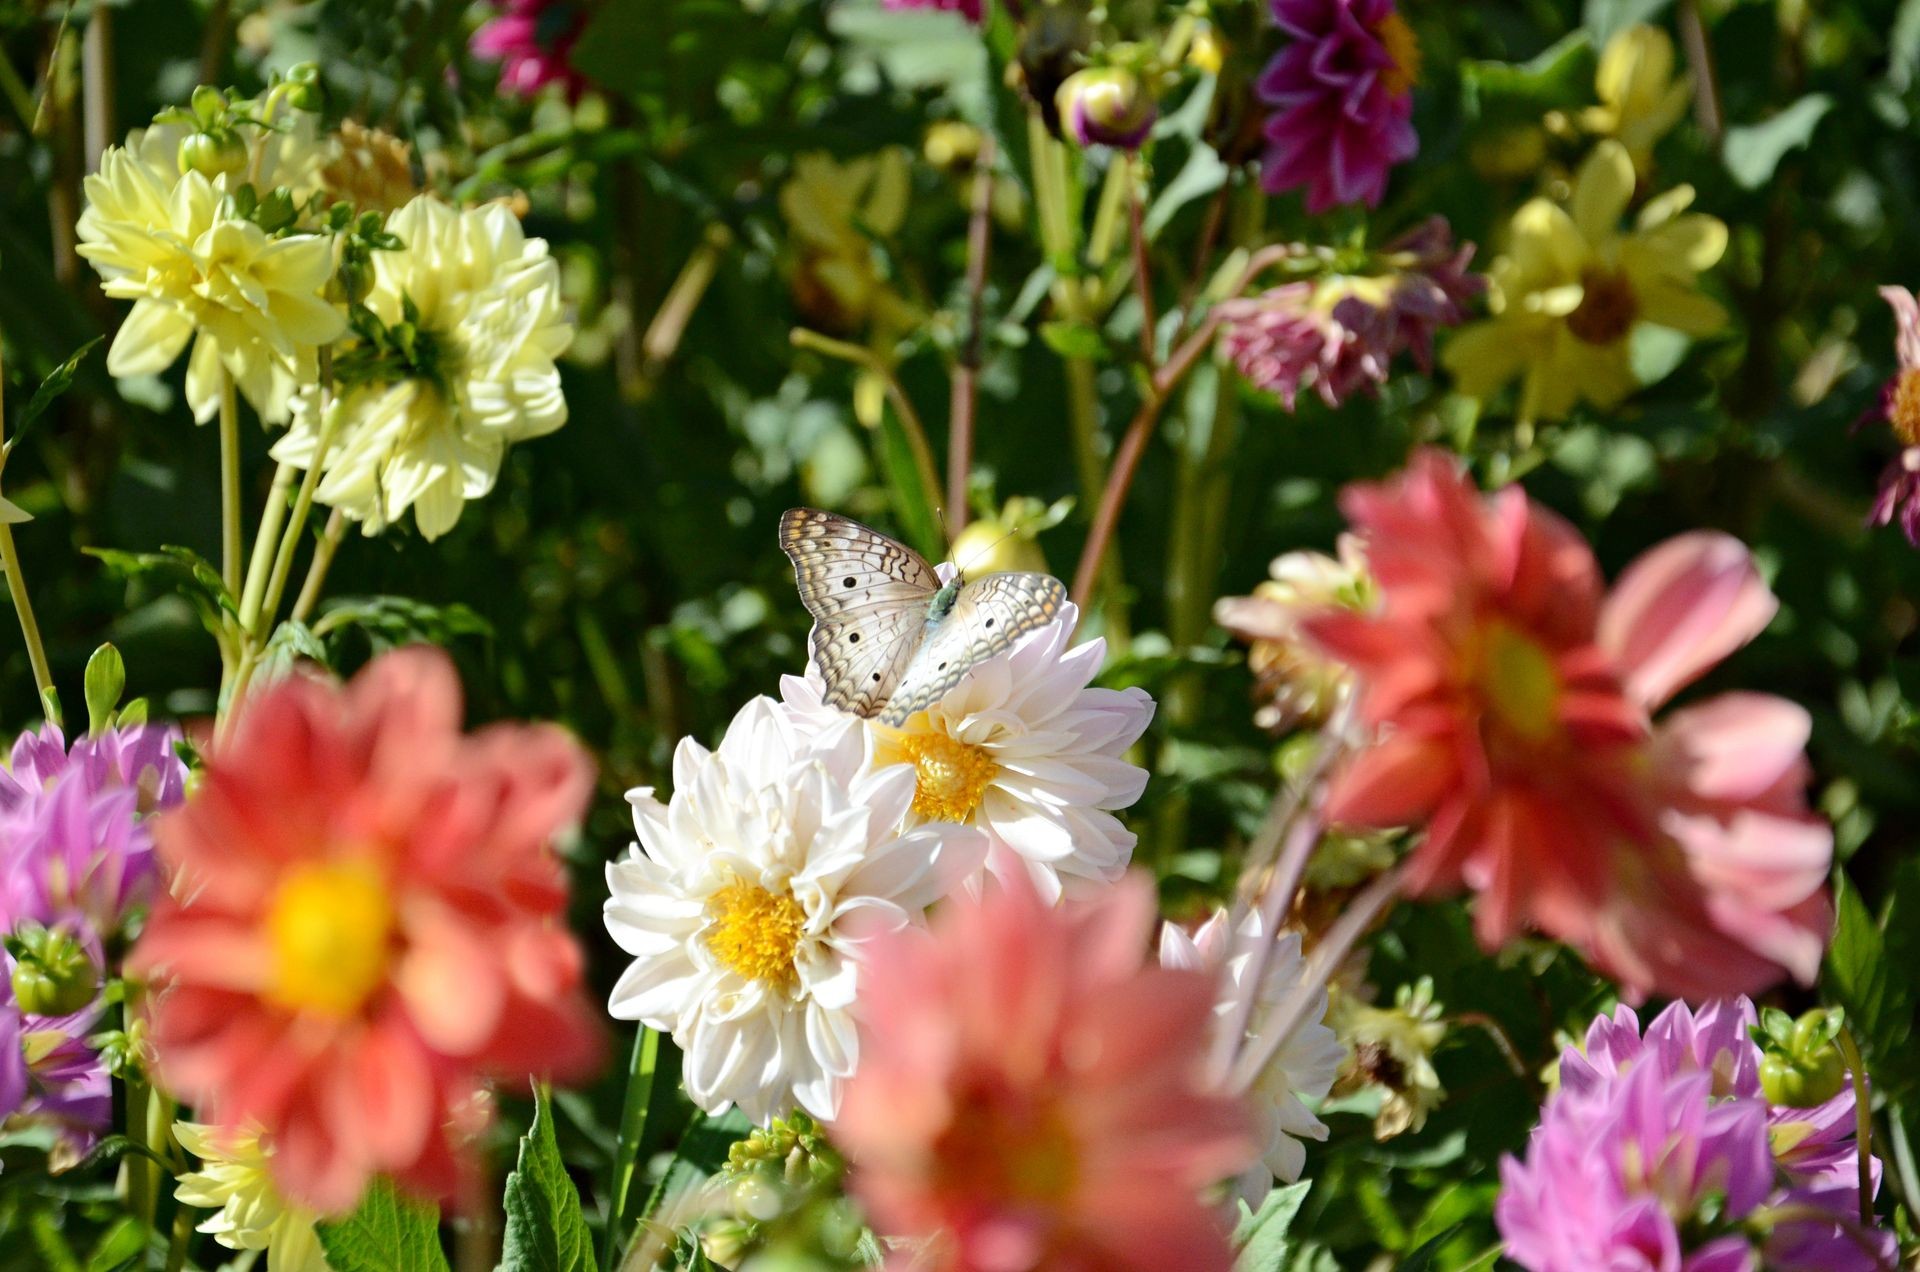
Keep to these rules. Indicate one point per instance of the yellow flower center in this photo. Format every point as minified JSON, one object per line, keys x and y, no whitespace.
{"x":949,"y":776}
{"x":755,"y":932}
{"x":1009,"y":1149}
{"x":1520,"y":682}
{"x":1607,"y":308}
{"x":330,"y":930}
{"x":1903,"y":412}
{"x":1404,"y":48}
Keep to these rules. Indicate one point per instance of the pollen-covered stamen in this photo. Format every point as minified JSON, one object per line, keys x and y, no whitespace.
{"x":950,"y":776}
{"x":330,"y":936}
{"x":1404,"y":48}
{"x":1607,"y":310}
{"x":755,"y":932}
{"x":1903,"y":406}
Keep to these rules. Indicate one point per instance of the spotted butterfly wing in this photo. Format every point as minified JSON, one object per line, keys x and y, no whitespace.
{"x":989,"y":615}
{"x":868,"y":596}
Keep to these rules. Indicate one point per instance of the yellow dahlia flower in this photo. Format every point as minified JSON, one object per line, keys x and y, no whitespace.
{"x":285,"y":149}
{"x":1573,"y":286}
{"x":1640,"y":97}
{"x":249,"y":1213}
{"x":472,"y":322}
{"x":250,"y":303}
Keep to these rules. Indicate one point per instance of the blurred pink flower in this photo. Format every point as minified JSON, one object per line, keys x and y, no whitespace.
{"x":366,"y":925}
{"x":1509,"y":703}
{"x":533,"y":42}
{"x":1342,"y":93}
{"x":1339,"y":335}
{"x":1899,"y":406}
{"x":1030,"y":1090}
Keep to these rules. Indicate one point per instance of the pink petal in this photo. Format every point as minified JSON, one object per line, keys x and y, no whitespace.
{"x":1681,"y":608}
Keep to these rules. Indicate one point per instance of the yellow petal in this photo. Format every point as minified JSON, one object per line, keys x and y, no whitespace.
{"x":1685,"y":245}
{"x":1682,"y":309}
{"x":1602,"y":191}
{"x":1483,"y":356}
{"x":149,"y":340}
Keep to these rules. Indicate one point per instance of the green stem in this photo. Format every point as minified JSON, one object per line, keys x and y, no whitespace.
{"x":910,"y":423}
{"x":17,"y":579}
{"x":264,"y":541}
{"x":1862,"y":1118}
{"x":181,"y":1238}
{"x":296,"y":526}
{"x":229,"y":483}
{"x":642,"y":1071}
{"x":317,"y":569}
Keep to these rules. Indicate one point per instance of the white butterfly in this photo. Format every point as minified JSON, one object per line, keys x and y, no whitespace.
{"x":888,"y":638}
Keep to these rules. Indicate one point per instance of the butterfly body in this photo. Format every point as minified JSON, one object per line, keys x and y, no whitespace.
{"x":888,"y":636}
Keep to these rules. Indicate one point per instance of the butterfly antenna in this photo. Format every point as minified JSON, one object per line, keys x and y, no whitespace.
{"x":1011,"y":531}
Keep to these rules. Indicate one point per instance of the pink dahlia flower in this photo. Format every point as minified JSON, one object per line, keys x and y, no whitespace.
{"x":51,"y":1077}
{"x":1508,"y":699}
{"x":1648,"y":1170}
{"x":1899,"y":494}
{"x":1342,"y":93}
{"x":367,"y":924}
{"x":533,"y":42}
{"x":1029,"y":1091}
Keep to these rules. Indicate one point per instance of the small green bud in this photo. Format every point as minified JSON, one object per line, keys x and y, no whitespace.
{"x":308,"y":97}
{"x":212,"y":154}
{"x":1802,"y":1066}
{"x":53,"y":975}
{"x":106,"y":680}
{"x":209,"y":104}
{"x":754,"y":1197}
{"x":276,"y":212}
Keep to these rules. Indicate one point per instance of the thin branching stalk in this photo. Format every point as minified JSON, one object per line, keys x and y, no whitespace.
{"x":964,"y":403}
{"x":296,"y":527}
{"x":669,"y":325}
{"x":323,"y":552}
{"x":229,"y":483}
{"x":910,"y":423}
{"x":1142,"y":268}
{"x":265,"y":540}
{"x":1863,"y":1120}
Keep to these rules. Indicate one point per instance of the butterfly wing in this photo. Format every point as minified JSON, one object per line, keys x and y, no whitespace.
{"x":988,"y":616}
{"x":868,"y":596}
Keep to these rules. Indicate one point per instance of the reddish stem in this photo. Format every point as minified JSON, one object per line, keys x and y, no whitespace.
{"x":964,"y":403}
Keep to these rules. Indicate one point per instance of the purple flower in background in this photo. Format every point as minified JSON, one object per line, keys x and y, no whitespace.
{"x":1339,"y":335}
{"x":1659,"y":1152}
{"x":1899,"y":405}
{"x":49,"y":1076}
{"x":970,"y":9}
{"x":74,"y":847}
{"x":1342,"y":92}
{"x":533,"y":41}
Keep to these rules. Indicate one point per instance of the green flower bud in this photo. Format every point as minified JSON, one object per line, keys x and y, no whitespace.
{"x":754,"y":1197}
{"x":53,"y":975}
{"x":1107,"y":106}
{"x":212,"y":154}
{"x":1802,"y":1066}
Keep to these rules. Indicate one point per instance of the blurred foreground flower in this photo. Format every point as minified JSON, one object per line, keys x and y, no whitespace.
{"x":250,"y":302}
{"x":1028,"y":1091}
{"x":456,"y":364}
{"x":750,"y":899}
{"x":1641,"y":99}
{"x":1342,"y":92}
{"x":533,"y":41}
{"x":1510,"y":705}
{"x":1302,"y":1069}
{"x":1899,"y":406}
{"x":1339,"y":335}
{"x":969,"y":9}
{"x":1572,"y":288}
{"x":367,"y":924}
{"x":249,"y":1213}
{"x":1392,"y":1050}
{"x":1656,"y":1155}
{"x":1294,"y":680}
{"x":1028,"y":751}
{"x":50,"y":1076}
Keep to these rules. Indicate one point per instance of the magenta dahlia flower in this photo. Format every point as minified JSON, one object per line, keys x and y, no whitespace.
{"x":1899,"y":405}
{"x":533,"y":42}
{"x":1342,"y":92}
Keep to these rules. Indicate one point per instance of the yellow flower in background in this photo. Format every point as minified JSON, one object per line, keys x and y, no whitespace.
{"x":250,"y":303}
{"x":1392,"y":1048}
{"x":1573,"y":286}
{"x":835,"y":211}
{"x":249,"y":1213}
{"x":473,"y":321}
{"x":1640,"y":97}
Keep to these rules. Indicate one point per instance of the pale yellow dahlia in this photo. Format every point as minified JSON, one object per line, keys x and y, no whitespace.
{"x":251,"y":303}
{"x":1641,"y":98}
{"x":249,"y":1213}
{"x":473,"y":321}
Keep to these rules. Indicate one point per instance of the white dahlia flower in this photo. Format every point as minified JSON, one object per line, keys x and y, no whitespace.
{"x":471,"y":307}
{"x":1025,"y":750}
{"x":248,"y":1212}
{"x":750,"y":895}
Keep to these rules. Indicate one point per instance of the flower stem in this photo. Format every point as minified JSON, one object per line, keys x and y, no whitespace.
{"x":229,"y":483}
{"x":1142,"y":271}
{"x":910,"y":424}
{"x":317,"y":569}
{"x":1862,"y":1118}
{"x":17,"y":581}
{"x":272,"y":517}
{"x":290,"y":541}
{"x":643,"y":1070}
{"x":964,"y":402}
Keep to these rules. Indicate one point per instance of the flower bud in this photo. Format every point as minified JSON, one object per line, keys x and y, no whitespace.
{"x":1802,"y":1066}
{"x":212,"y":154}
{"x":757,"y":1198}
{"x":1107,"y":106}
{"x":209,"y":105}
{"x":1208,"y":52}
{"x":990,"y":546}
{"x":53,"y":975}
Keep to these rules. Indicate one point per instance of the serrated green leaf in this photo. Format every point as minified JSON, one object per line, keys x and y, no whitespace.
{"x":386,"y":1233}
{"x":546,"y":1230}
{"x":1261,"y":1236}
{"x":1868,"y":973}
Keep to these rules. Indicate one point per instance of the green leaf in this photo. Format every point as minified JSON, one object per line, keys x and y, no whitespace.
{"x":1606,"y":18}
{"x":912,"y":501}
{"x":1261,"y":1237}
{"x":1509,"y":92}
{"x":58,"y":381}
{"x":1200,"y":176}
{"x":388,"y":1233}
{"x":546,"y":1230}
{"x":1754,"y":151}
{"x":185,"y":570}
{"x":12,"y":514}
{"x":290,"y":643}
{"x":1869,"y":973}
{"x":106,"y":680}
{"x":121,"y":1246}
{"x":1073,"y":340}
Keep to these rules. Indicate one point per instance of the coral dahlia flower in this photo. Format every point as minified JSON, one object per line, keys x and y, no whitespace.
{"x":1030,"y":1090}
{"x":367,"y":925}
{"x":1510,"y":698}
